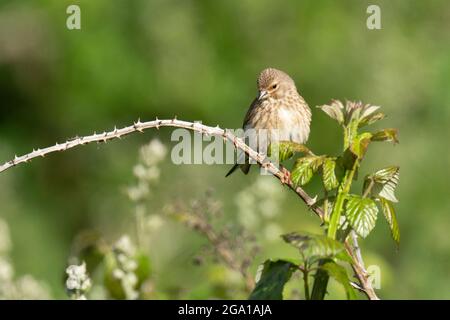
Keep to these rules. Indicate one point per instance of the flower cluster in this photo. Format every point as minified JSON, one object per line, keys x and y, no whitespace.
{"x":24,"y":287}
{"x":147,"y":171}
{"x":124,"y":252}
{"x":258,"y":204}
{"x":78,"y":281}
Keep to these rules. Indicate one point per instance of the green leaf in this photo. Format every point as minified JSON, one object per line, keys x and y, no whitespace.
{"x":304,"y":168}
{"x":334,"y":110}
{"x":314,"y":247}
{"x":367,"y":112}
{"x":361,"y":213}
{"x":286,"y":149}
{"x":390,"y":135}
{"x":372,"y":118}
{"x":383,"y":183}
{"x":360,"y":143}
{"x":359,"y":112}
{"x":339,"y":273}
{"x":144,"y":269}
{"x":329,"y":176}
{"x":275,"y":274}
{"x":353,"y":113}
{"x":389,"y":214}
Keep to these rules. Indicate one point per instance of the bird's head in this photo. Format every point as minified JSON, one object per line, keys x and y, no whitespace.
{"x":275,"y":84}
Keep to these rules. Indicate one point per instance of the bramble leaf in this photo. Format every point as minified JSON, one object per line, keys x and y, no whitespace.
{"x":360,"y":144}
{"x":329,"y":176}
{"x":389,"y":214}
{"x":390,"y":135}
{"x":334,"y":110}
{"x":353,"y":113}
{"x":361,"y":213}
{"x":304,"y":168}
{"x":313,"y":247}
{"x":286,"y":149}
{"x":370,"y":119}
{"x":383,"y":183}
{"x":271,"y":283}
{"x":339,"y":273}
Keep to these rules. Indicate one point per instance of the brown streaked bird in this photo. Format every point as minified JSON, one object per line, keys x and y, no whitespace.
{"x":278,"y":106}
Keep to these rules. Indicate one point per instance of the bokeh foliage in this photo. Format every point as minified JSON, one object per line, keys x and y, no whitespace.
{"x":199,"y":60}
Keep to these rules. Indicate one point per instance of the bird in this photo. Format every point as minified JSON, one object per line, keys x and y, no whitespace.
{"x":277,"y":108}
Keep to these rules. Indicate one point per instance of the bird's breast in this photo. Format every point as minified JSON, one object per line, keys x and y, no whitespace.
{"x":290,"y":121}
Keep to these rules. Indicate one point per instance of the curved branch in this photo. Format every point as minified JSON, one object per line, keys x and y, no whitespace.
{"x":141,"y":126}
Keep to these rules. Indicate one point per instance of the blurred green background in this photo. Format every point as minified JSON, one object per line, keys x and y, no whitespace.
{"x":199,"y":60}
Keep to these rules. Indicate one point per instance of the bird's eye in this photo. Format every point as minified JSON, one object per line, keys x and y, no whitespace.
{"x":275,"y":86}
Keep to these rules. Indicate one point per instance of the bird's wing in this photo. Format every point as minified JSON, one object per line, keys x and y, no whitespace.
{"x":249,"y":114}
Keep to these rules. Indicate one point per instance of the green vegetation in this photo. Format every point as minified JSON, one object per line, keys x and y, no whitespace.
{"x":199,"y":60}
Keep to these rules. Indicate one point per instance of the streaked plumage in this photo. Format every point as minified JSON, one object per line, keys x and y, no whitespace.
{"x":277,"y":106}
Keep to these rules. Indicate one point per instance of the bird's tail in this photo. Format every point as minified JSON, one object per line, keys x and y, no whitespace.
{"x":244,"y":167}
{"x":232,"y":170}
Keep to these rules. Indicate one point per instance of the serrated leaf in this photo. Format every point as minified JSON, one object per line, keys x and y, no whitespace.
{"x":368,"y":111}
{"x":329,"y":176}
{"x":358,"y":112}
{"x":339,"y":273}
{"x":353,"y":112}
{"x":274,"y":276}
{"x":314,"y":247}
{"x":334,"y":110}
{"x":390,"y":135}
{"x":383,"y":183}
{"x":361,"y":213}
{"x":304,"y":169}
{"x":371,"y":119}
{"x":286,"y":149}
{"x":360,"y":143}
{"x":389,"y":213}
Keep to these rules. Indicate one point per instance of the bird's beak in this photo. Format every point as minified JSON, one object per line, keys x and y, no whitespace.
{"x":262,"y":94}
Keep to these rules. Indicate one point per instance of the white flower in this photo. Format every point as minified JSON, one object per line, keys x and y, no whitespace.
{"x":125,"y":245}
{"x":269,"y":208}
{"x":248,"y":218}
{"x":272,"y":232}
{"x":267,"y":187}
{"x":154,"y":222}
{"x":130,"y":278}
{"x":153,"y":152}
{"x":139,"y":171}
{"x":152,"y":174}
{"x":129,"y":282}
{"x":118,"y":274}
{"x":72,"y":284}
{"x":6,"y":270}
{"x":31,"y":289}
{"x":77,"y":279}
{"x":138,"y":192}
{"x":129,"y":265}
